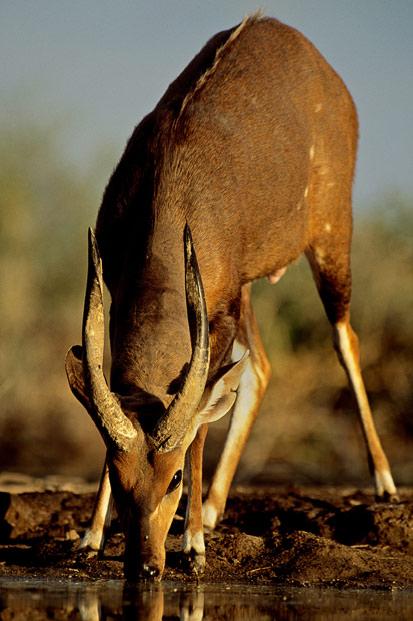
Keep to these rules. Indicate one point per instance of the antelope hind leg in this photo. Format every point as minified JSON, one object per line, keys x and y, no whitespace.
{"x":331,"y":270}
{"x":346,"y":345}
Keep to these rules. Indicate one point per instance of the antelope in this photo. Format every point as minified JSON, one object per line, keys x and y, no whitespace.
{"x":245,"y":164}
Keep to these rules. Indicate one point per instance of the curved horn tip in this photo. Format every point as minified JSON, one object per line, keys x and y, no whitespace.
{"x":93,"y":246}
{"x":91,"y":233}
{"x":188,"y":242}
{"x":73,"y":359}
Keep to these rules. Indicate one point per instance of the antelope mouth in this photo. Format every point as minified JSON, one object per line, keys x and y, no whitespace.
{"x":136,"y":570}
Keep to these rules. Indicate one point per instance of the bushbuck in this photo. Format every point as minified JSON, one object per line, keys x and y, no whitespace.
{"x":245,"y":163}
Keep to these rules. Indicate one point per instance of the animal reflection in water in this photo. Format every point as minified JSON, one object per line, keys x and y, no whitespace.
{"x":147,"y":605}
{"x":111,"y":599}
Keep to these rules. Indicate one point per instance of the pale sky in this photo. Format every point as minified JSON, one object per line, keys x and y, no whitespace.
{"x":102,"y":65}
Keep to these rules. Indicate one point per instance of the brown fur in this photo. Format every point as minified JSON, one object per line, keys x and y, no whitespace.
{"x":220,"y":52}
{"x":227,"y":150}
{"x":253,"y":146}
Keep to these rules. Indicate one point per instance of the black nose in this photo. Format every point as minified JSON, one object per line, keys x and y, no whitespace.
{"x":150,"y":573}
{"x":144,"y":572}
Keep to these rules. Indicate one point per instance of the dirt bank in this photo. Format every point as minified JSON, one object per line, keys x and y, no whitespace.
{"x":304,"y":537}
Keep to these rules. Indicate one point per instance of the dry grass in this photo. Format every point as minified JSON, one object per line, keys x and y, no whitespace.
{"x":307,"y":427}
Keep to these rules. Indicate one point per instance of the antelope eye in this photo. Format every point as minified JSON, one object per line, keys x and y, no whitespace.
{"x":175,"y":481}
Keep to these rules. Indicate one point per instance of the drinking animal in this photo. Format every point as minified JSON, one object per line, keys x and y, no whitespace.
{"x":246,"y":163}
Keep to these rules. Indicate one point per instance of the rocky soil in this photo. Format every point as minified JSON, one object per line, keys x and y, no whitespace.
{"x":302,"y":537}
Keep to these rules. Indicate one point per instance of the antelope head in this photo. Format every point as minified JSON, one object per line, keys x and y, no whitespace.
{"x":147,"y":442}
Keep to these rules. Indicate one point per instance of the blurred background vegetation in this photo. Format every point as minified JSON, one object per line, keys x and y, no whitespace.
{"x":307,"y":431}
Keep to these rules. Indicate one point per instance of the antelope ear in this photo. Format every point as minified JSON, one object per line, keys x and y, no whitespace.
{"x":220,"y":396}
{"x":74,"y":372}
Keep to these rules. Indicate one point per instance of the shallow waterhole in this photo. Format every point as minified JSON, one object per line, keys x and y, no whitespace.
{"x":112,"y":599}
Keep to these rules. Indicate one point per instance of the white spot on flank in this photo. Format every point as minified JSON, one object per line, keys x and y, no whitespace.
{"x":312,"y":151}
{"x":318,"y":107}
{"x":327,"y":227}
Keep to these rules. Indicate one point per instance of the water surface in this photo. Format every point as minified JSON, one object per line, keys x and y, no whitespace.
{"x":111,"y":600}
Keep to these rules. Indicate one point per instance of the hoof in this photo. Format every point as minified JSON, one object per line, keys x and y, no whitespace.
{"x":91,"y":541}
{"x":195,"y":563}
{"x":385,"y":488}
{"x":198,"y":564}
{"x":389,"y":498}
{"x":194,"y":551}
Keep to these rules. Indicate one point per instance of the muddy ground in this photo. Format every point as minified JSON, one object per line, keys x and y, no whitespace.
{"x":296,"y":536}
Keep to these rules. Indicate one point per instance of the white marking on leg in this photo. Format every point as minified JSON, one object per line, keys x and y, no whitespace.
{"x":194,"y":541}
{"x":327,"y":227}
{"x":383,"y":478}
{"x":312,"y":151}
{"x":348,"y":357}
{"x":209,"y":515}
{"x":384,"y":483}
{"x":306,"y":192}
{"x":92,"y":539}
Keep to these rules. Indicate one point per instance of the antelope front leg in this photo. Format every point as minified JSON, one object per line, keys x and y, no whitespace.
{"x":193,"y":543}
{"x":250,"y":393}
{"x":94,"y":537}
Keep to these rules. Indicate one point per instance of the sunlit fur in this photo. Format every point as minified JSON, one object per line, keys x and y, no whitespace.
{"x":254,"y":147}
